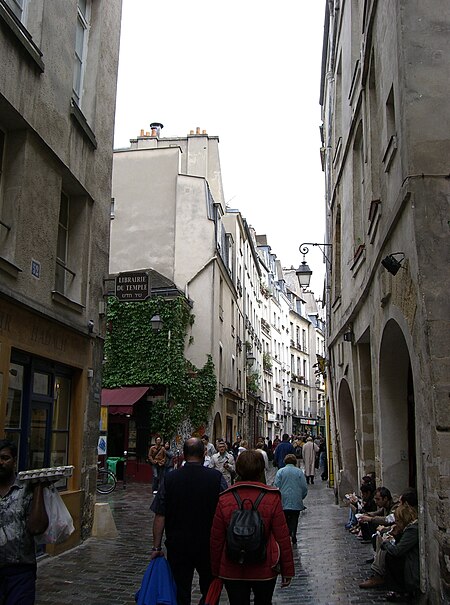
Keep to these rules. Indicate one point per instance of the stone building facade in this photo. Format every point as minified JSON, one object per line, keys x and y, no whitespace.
{"x":57,"y":98}
{"x":385,"y":155}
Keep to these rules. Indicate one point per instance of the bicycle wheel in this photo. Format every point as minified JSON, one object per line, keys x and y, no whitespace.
{"x":106,"y":481}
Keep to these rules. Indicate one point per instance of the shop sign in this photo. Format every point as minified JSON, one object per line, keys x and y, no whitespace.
{"x":133,"y":286}
{"x":308,"y":421}
{"x":103,"y":418}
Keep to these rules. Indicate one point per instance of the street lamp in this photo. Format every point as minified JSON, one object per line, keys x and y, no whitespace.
{"x":304,"y":272}
{"x":156,"y":323}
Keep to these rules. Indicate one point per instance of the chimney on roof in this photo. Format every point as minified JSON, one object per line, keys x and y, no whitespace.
{"x":156,"y":129}
{"x":197,"y":130}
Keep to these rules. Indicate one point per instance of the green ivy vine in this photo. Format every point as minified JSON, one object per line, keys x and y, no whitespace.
{"x":136,"y":354}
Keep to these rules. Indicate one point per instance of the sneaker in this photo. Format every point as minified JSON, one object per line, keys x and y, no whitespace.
{"x":372,"y":582}
{"x":397,"y":597}
{"x":155,"y":492}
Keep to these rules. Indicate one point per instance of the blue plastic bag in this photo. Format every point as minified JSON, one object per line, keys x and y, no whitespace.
{"x":158,"y":586}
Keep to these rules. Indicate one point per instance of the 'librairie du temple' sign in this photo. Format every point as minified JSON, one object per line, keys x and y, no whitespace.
{"x":133,"y":286}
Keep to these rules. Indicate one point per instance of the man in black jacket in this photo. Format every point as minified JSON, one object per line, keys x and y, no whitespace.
{"x":184,"y":508}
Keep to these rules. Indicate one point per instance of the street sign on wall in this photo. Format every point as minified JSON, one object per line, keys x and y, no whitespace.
{"x":133,"y":286}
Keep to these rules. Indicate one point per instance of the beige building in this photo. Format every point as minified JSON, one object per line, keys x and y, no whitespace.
{"x":57,"y":99}
{"x":169,"y":216}
{"x":385,"y":155}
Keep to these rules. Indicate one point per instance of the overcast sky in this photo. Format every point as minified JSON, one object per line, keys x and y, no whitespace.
{"x":247,"y":71}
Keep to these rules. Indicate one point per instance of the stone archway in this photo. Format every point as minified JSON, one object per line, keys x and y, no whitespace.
{"x":397,"y":449}
{"x":348,"y":480}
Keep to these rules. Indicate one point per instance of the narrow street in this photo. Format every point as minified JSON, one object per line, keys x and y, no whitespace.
{"x":329,"y":561}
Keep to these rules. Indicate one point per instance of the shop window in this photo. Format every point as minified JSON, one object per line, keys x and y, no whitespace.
{"x":60,"y":422}
{"x":13,"y":419}
{"x":38,"y":412}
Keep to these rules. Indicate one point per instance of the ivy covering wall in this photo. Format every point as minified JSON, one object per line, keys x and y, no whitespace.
{"x":136,"y":354}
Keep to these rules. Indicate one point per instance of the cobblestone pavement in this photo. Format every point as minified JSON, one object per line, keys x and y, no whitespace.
{"x":329,"y":561}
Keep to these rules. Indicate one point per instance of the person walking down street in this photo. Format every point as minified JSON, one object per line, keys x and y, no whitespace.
{"x":310,"y":449}
{"x":157,"y":458}
{"x":283,"y":449}
{"x":235,"y":447}
{"x":184,"y":509}
{"x":293,"y":487}
{"x":323,"y":464}
{"x":22,"y":516}
{"x":210,"y":449}
{"x":242,"y":447}
{"x":223,"y":461}
{"x":168,"y":466}
{"x":241,"y":579}
{"x":260,"y":448}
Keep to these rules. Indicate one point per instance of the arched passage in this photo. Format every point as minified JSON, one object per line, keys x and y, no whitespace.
{"x":217,"y":428}
{"x":397,"y":421}
{"x":346,"y":415}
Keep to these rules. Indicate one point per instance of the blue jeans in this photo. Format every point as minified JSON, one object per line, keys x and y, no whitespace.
{"x":17,"y":584}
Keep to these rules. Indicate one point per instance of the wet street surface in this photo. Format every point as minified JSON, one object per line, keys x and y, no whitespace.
{"x":329,"y":561}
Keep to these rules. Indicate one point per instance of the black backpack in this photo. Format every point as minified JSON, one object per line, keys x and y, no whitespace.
{"x":246,"y":541}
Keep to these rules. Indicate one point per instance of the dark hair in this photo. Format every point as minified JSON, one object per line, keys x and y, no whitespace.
{"x":367,"y":488}
{"x":193,"y":448}
{"x":384,"y":492}
{"x":285,"y":437}
{"x":290,"y":459}
{"x":205,"y":437}
{"x":6,"y":444}
{"x":410,"y":497}
{"x":250,"y":465}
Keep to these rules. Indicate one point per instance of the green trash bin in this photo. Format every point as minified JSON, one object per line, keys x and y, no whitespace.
{"x":111,"y":463}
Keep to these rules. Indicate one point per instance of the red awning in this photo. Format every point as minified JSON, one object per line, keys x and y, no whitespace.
{"x":120,"y":401}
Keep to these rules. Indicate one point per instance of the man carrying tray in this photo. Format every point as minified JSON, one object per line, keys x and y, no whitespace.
{"x":22,"y":516}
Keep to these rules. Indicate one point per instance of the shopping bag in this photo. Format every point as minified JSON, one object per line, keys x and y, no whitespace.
{"x":213,"y":595}
{"x":157,"y":586}
{"x":60,"y":522}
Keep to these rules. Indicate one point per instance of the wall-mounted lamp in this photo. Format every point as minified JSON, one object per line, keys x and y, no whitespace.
{"x":304,"y":272}
{"x":391,"y":264}
{"x":156,"y":323}
{"x":251,"y":359}
{"x":348,"y":336}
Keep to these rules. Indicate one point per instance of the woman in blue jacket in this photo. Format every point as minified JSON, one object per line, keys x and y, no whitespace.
{"x":291,"y":482}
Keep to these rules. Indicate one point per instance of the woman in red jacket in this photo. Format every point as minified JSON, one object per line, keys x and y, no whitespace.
{"x":242,"y":578}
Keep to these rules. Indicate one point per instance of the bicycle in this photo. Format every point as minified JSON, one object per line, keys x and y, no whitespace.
{"x":106,"y":481}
